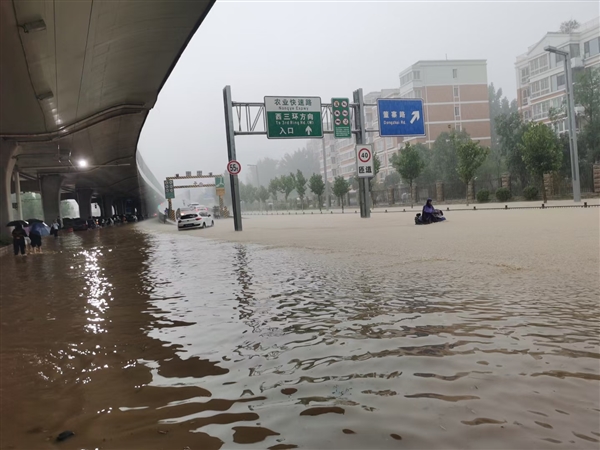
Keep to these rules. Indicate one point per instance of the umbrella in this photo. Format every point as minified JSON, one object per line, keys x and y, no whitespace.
{"x":32,"y":221}
{"x":14,"y":223}
{"x":40,"y":228}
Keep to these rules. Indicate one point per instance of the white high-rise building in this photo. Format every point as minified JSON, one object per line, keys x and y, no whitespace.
{"x":541,"y":75}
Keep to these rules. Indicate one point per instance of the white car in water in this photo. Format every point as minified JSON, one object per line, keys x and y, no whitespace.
{"x":190,"y":219}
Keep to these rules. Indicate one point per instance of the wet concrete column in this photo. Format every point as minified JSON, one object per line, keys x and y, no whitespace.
{"x":120,"y":206}
{"x":107,"y":202}
{"x":84,"y":199}
{"x":50,"y":186}
{"x":17,"y":179}
{"x":7,"y":164}
{"x":439,"y":191}
{"x":596,"y":178}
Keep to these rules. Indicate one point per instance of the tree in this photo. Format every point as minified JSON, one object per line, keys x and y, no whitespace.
{"x":340,"y":188}
{"x":510,"y":128}
{"x":568,"y":26}
{"x":393,"y":179}
{"x":300,"y":186}
{"x":471,"y":156}
{"x":287,"y":184}
{"x":302,"y":159}
{"x":317,"y":187}
{"x":541,"y":152}
{"x":353,"y":182}
{"x":372,"y":181}
{"x":274,"y":187}
{"x":587,"y":94}
{"x":409,"y":165}
{"x":262,"y":194}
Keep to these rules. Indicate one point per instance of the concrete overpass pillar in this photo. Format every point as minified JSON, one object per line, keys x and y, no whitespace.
{"x":120,"y":206}
{"x":17,"y":179}
{"x":50,"y":186}
{"x":84,"y":199}
{"x":7,"y":164}
{"x":107,"y":202}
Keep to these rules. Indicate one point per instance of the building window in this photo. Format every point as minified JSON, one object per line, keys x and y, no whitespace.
{"x":406,"y":78}
{"x":525,"y":96}
{"x":540,"y":87}
{"x":560,"y":81}
{"x":457,"y":111}
{"x":525,"y":75}
{"x":538,"y":65}
{"x":456,"y":91}
{"x":389,"y":142}
{"x":526,"y":114}
{"x":417,"y":75}
{"x":591,"y":48}
{"x":454,"y":73}
{"x":574,"y":50}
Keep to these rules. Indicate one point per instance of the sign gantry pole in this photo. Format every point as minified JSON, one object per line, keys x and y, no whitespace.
{"x":363,"y":183}
{"x":229,"y":130}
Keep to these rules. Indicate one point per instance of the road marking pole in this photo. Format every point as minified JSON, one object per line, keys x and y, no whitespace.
{"x":235,"y":189}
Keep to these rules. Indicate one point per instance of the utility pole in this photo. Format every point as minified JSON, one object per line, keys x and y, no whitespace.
{"x":363,"y":183}
{"x":327,"y":193}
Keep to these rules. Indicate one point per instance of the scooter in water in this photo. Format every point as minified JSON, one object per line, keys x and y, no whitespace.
{"x":437,"y":216}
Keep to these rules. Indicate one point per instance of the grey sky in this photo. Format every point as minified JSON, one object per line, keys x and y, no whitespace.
{"x":325,"y":49}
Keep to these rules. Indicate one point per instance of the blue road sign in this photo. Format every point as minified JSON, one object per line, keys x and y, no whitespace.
{"x":401,"y":117}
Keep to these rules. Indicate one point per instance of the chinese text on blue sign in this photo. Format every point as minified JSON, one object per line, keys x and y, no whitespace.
{"x":401,"y":117}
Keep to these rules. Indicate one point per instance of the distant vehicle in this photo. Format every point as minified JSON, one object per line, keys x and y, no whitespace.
{"x":194,"y":220}
{"x":197,"y":207}
{"x":79,"y":225}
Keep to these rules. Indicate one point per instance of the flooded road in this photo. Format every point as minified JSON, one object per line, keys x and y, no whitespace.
{"x":138,"y":339}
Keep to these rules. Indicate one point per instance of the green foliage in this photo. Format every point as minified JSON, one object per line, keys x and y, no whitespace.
{"x":247,"y":192}
{"x":587,"y":94}
{"x":393,"y":179}
{"x":274,"y":188}
{"x":340,"y":188}
{"x":541,"y":152}
{"x":317,"y":186}
{"x":287,"y":183}
{"x":353,"y":182}
{"x":483,"y":196}
{"x":300,"y":184}
{"x":510,"y":129}
{"x":530,"y":193}
{"x":262,"y":194}
{"x":503,"y":194}
{"x":376,"y":164}
{"x":470,"y":156}
{"x":408,"y":163}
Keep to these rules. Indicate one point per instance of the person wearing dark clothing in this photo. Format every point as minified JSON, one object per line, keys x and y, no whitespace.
{"x":59,"y":222}
{"x":430,"y":214}
{"x":19,"y":235}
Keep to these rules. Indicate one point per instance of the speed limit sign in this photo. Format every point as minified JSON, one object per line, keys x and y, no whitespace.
{"x":364,"y":161}
{"x":234,"y":167}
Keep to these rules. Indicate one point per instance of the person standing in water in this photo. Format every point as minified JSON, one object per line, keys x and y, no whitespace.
{"x":19,"y":235}
{"x":54,"y":228}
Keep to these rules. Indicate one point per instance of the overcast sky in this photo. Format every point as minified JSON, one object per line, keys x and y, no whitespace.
{"x":325,"y":49}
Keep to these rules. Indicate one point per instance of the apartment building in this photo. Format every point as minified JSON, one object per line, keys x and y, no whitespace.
{"x":455,"y":96}
{"x":541,"y":83}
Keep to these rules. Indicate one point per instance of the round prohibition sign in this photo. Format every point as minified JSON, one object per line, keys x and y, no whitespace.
{"x":364,"y":154}
{"x":234,"y":167}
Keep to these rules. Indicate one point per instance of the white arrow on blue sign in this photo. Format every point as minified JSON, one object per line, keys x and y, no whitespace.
{"x":401,"y":117}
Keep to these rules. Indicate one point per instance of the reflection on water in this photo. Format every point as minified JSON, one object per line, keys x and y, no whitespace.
{"x":137,"y":340}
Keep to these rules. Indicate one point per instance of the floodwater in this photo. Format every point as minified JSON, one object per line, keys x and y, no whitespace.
{"x":134,"y":339}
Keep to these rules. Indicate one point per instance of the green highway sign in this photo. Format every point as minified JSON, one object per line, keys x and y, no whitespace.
{"x":293,"y":117}
{"x":169,"y":189}
{"x":219,"y":182}
{"x":340,"y":108}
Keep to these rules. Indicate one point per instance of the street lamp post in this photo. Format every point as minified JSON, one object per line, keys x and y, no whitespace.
{"x":572,"y":123}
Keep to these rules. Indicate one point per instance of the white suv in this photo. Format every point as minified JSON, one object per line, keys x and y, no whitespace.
{"x":194,"y":220}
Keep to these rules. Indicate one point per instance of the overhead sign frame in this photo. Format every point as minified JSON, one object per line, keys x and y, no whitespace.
{"x":342,"y":125}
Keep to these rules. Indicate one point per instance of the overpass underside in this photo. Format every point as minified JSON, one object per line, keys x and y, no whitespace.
{"x":77,"y":81}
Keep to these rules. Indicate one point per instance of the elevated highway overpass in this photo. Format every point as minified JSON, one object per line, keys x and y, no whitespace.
{"x":77,"y":81}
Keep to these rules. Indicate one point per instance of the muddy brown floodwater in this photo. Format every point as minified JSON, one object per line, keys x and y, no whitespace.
{"x":135,"y":338}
